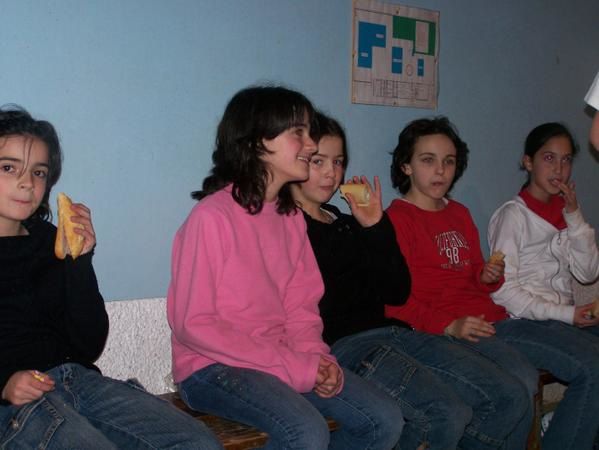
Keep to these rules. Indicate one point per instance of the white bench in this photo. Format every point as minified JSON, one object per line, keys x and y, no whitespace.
{"x":139,"y":344}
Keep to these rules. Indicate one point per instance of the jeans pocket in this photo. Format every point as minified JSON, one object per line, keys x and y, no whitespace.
{"x":32,"y":426}
{"x":388,"y":368}
{"x":369,"y":363}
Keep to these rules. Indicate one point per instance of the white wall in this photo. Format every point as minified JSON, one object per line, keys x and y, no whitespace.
{"x":136,"y":88}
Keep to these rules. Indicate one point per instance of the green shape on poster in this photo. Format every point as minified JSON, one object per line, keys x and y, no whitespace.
{"x":405,"y":28}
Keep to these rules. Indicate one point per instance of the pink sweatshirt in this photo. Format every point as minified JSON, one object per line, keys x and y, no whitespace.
{"x":244,"y":292}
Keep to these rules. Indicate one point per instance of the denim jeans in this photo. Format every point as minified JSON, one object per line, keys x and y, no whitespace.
{"x":565,"y":352}
{"x":450,"y":396}
{"x":368,"y":418}
{"x":591,"y":334}
{"x":89,"y":411}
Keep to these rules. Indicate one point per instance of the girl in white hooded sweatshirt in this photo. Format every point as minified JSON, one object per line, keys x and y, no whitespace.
{"x":544,"y":236}
{"x":547,"y":244}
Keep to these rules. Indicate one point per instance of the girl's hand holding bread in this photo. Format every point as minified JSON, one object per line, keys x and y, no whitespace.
{"x":75,"y":235}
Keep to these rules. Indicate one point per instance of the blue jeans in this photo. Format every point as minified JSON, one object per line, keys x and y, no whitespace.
{"x":89,"y":411}
{"x":591,"y":334}
{"x":565,"y":351}
{"x":450,"y":396}
{"x":368,"y":418}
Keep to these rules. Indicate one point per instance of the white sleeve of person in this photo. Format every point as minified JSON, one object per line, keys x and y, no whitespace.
{"x":592,"y":97}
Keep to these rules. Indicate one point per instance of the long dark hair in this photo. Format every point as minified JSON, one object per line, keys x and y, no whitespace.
{"x":16,"y":121}
{"x":403,"y":152}
{"x":252,"y":115}
{"x":539,"y":136}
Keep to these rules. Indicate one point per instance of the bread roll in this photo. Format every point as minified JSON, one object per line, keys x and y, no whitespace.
{"x":595,"y":308}
{"x":358,"y":191}
{"x":497,"y":257}
{"x":67,"y":241}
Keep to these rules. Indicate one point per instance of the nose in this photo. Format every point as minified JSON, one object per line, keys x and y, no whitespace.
{"x":440,"y":168}
{"x":328,"y":170}
{"x":25,"y":180}
{"x":309,"y":143}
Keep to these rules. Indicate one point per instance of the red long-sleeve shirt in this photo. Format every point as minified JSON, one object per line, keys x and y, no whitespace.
{"x":442,"y":249}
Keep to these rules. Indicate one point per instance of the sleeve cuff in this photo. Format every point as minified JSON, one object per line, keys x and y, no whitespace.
{"x":574,"y":219}
{"x":564,"y":314}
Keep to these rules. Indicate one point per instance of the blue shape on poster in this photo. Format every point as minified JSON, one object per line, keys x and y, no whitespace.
{"x":420,"y":67}
{"x":396,"y":60}
{"x":369,"y":35}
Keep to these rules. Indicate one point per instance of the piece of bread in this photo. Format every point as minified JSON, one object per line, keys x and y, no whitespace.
{"x":595,"y":308}
{"x":497,"y":257}
{"x":67,"y":241}
{"x":358,"y":191}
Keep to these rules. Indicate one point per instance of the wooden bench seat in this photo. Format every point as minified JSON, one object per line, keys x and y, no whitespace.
{"x":238,"y":436}
{"x":233,"y":435}
{"x":534,"y":438}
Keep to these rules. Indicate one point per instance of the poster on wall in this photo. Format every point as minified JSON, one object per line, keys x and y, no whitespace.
{"x":395,"y":55}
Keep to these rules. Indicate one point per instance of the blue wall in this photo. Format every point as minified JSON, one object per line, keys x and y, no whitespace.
{"x":136,"y":89}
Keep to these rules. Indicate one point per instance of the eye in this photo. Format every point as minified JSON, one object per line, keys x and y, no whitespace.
{"x":8,"y":168}
{"x":427,"y":160}
{"x":567,"y":159}
{"x":316,"y":161}
{"x":299,"y":131}
{"x":450,"y":162}
{"x":338,"y":162}
{"x":548,"y":157}
{"x":40,"y":174}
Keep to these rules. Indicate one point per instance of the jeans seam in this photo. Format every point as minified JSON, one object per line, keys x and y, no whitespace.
{"x":125,"y":431}
{"x":22,"y":417}
{"x":471,"y":429}
{"x":256,"y":406}
{"x":564,"y":355}
{"x":375,"y":428}
{"x":374,"y":353}
{"x":67,"y":375}
{"x":116,"y":426}
{"x":70,"y":373}
{"x":373,"y":364}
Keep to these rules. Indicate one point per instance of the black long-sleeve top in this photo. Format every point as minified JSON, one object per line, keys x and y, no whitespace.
{"x":363,"y":269}
{"x":51,"y":311}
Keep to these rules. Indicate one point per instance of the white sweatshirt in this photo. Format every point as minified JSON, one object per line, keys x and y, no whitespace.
{"x":592,"y":97}
{"x":541,"y":260}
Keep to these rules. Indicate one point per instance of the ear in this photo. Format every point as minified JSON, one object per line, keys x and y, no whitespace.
{"x":527,"y":163}
{"x":407,"y":169}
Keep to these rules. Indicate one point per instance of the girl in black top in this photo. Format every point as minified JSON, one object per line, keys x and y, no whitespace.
{"x":53,"y":324}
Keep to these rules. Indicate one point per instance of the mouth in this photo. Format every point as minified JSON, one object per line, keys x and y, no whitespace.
{"x":305,"y":158}
{"x":555,"y":181}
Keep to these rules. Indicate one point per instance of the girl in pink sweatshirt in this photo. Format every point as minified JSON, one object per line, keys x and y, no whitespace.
{"x":245,"y":286}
